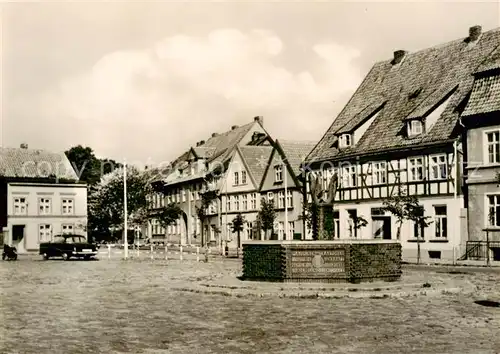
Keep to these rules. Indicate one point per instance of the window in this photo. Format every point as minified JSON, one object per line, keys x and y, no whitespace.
{"x":493,"y":147}
{"x":281,"y":199}
{"x":243,"y":177}
{"x":418,"y":229}
{"x":244,"y":203}
{"x":438,"y":167}
{"x":493,"y":216}
{"x":336,"y":224}
{"x":45,"y":233}
{"x":270,"y":196}
{"x":416,"y":169}
{"x":289,"y":199}
{"x":281,"y":230}
{"x":67,"y":207}
{"x":20,"y":206}
{"x":379,"y":173}
{"x":415,"y":127}
{"x":67,"y":228}
{"x":353,"y":215}
{"x":228,"y":203}
{"x":183,"y":195}
{"x":441,"y":222}
{"x":44,"y":206}
{"x":345,"y":140}
{"x":236,"y":179}
{"x":237,"y":202}
{"x":253,"y":201}
{"x":349,"y":176}
{"x":291,"y":230}
{"x":278,"y":173}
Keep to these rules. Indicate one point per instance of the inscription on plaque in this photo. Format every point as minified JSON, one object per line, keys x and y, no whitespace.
{"x":319,"y":262}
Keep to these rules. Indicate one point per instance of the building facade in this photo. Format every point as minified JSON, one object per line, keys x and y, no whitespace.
{"x":40,"y":198}
{"x":282,"y":184}
{"x":401,"y":134}
{"x":205,"y":167}
{"x":482,"y":120}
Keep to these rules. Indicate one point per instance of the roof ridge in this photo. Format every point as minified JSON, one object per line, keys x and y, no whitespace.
{"x":439,"y":45}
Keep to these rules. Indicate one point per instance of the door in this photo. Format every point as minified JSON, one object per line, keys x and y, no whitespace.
{"x":18,"y":235}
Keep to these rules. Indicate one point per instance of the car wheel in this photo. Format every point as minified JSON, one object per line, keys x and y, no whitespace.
{"x":65,"y":256}
{"x":45,"y":256}
{"x":86,"y":258}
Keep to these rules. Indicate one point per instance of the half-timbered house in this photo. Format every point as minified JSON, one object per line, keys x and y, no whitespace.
{"x":401,"y":133}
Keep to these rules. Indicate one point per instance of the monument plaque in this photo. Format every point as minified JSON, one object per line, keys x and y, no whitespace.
{"x":317,"y":262}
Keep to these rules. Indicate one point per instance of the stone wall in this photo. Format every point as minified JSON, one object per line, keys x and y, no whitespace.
{"x":322,"y":261}
{"x":263,"y":261}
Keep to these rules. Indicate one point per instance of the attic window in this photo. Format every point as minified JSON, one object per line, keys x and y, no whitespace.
{"x":415,"y":127}
{"x":345,"y":140}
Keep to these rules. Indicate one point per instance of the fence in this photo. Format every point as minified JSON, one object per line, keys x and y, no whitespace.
{"x":483,"y":250}
{"x":156,"y":252}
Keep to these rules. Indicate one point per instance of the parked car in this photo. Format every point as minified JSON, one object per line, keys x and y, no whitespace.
{"x":68,"y":246}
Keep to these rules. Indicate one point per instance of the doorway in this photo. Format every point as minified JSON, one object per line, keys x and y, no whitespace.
{"x":382,"y":227}
{"x":18,"y":234}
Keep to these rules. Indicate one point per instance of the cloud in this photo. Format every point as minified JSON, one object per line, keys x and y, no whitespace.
{"x":160,"y":100}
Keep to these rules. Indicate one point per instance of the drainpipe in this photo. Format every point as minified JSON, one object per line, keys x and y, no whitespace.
{"x":457,"y":173}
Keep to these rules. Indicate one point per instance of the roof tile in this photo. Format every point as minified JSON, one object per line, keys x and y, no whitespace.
{"x":431,"y":71}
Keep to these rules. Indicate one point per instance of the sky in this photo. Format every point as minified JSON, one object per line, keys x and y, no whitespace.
{"x":144,"y":81}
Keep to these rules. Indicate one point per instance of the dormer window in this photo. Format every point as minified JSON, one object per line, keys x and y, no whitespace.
{"x":415,"y":127}
{"x":345,"y":140}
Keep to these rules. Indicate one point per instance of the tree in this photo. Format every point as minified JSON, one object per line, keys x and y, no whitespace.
{"x":107,"y":199}
{"x":267,"y":215}
{"x":310,"y":216}
{"x":359,"y":222}
{"x":168,"y":215}
{"x":405,"y":207}
{"x":206,"y":198}
{"x":87,"y":166}
{"x":237,"y":226}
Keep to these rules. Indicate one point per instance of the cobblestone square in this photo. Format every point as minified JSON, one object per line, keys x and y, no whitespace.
{"x":116,"y":306}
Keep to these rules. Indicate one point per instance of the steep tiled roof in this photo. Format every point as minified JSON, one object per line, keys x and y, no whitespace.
{"x":412,"y":87}
{"x":256,"y":158}
{"x":204,"y":152}
{"x":217,"y":148}
{"x":30,"y":163}
{"x":485,"y":96}
{"x":296,"y":152}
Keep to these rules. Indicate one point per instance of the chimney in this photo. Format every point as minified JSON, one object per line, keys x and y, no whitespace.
{"x":197,"y":143}
{"x":234,"y":127}
{"x":259,"y":119}
{"x":398,"y":56}
{"x":202,"y":142}
{"x":214,"y":135}
{"x":24,"y":146}
{"x":474,"y":33}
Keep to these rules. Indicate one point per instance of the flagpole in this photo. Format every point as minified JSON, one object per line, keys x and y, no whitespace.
{"x":286,"y":199}
{"x":125,"y":241}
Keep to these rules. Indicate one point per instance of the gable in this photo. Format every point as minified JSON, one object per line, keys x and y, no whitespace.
{"x":238,"y":165}
{"x":269,"y":182}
